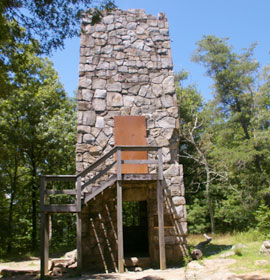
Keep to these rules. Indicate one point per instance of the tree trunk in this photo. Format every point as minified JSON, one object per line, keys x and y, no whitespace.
{"x":209,"y":201}
{"x":10,"y":221}
{"x":34,"y":207}
{"x":13,"y":183}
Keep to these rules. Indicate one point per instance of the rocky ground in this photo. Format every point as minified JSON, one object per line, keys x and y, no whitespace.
{"x":209,"y":269}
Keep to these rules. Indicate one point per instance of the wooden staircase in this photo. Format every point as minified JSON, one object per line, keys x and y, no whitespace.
{"x":88,"y":186}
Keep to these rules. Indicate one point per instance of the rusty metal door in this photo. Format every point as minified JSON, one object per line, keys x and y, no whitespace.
{"x":131,"y":130}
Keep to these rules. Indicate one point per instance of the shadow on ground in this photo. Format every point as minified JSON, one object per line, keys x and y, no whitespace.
{"x":214,"y":249}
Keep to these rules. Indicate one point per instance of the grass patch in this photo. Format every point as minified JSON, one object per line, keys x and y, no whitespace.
{"x":246,"y":255}
{"x":18,"y":256}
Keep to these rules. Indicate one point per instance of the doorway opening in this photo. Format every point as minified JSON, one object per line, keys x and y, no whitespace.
{"x":135,"y":229}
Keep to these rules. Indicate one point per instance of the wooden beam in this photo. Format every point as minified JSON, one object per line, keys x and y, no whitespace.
{"x":79,"y":243}
{"x":67,"y":178}
{"x":160,"y":204}
{"x":79,"y":194}
{"x":120,"y":229}
{"x":138,"y":148}
{"x":98,"y":162}
{"x":70,"y":192}
{"x":139,"y":177}
{"x":160,"y":164}
{"x":44,"y":245}
{"x":89,"y":196}
{"x":118,"y":164}
{"x":61,"y":208}
{"x":100,"y":174}
{"x":42,"y":192}
{"x":139,"y":161}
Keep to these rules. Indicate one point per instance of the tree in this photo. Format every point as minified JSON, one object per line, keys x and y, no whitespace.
{"x":37,"y":131}
{"x":43,"y":25}
{"x":49,"y":22}
{"x":241,"y":123}
{"x":196,"y":142}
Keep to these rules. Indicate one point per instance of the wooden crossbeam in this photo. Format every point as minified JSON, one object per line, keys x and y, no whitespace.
{"x":55,"y":192}
{"x":60,"y":208}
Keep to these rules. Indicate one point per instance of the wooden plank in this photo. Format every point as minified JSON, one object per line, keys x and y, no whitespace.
{"x":44,"y":245}
{"x":140,"y":161}
{"x":100,"y":174}
{"x":67,"y":178}
{"x":108,"y":183}
{"x":55,"y":192}
{"x":98,"y":162}
{"x":140,"y":177}
{"x":160,"y":204}
{"x":119,"y":166}
{"x":79,"y":194}
{"x":79,"y":243}
{"x":107,"y":239}
{"x":120,"y":229}
{"x":42,"y":192}
{"x":147,"y":148}
{"x":160,"y":164}
{"x":61,"y":208}
{"x":131,"y":130}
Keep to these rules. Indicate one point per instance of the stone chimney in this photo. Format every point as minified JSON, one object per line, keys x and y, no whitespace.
{"x":126,"y":70}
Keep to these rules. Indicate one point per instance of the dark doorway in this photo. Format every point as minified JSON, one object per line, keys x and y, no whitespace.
{"x":135,"y":227}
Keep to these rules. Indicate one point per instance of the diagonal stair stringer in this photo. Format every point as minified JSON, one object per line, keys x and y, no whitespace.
{"x":105,"y":185}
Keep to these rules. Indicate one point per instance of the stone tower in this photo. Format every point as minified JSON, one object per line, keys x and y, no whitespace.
{"x":126,"y":70}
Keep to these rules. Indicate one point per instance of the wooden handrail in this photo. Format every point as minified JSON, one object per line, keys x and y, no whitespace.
{"x":101,"y":160}
{"x":68,"y":178}
{"x":97,"y":163}
{"x":100,"y":174}
{"x":138,"y":148}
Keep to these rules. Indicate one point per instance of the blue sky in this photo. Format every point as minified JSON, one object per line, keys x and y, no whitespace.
{"x":243,"y":21}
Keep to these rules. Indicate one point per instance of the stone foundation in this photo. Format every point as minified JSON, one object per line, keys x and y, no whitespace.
{"x":126,"y":69}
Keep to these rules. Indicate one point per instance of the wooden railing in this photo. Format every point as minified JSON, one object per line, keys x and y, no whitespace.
{"x":77,"y":192}
{"x":48,"y":209}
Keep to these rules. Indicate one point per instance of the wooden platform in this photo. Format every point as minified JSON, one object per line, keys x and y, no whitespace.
{"x":82,"y":197}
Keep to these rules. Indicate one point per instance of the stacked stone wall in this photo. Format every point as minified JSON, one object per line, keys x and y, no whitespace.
{"x":126,"y":69}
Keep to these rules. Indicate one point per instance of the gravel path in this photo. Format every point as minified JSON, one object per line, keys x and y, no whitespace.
{"x":214,"y":269}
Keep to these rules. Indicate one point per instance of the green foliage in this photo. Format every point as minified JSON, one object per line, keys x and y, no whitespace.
{"x":228,"y":135}
{"x":37,"y":134}
{"x":49,"y":22}
{"x":262,"y":216}
{"x":131,"y":210}
{"x":198,"y":221}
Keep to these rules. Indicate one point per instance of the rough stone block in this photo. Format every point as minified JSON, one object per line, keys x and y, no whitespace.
{"x":99,"y":84}
{"x":168,"y":85}
{"x":100,"y":123}
{"x":178,"y":200}
{"x":88,"y":138}
{"x":89,"y":118}
{"x":99,"y":104}
{"x":114,"y":99}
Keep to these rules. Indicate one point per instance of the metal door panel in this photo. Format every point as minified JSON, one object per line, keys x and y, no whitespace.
{"x":131,"y":130}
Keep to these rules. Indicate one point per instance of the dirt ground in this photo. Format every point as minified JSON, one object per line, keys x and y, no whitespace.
{"x":213,"y":269}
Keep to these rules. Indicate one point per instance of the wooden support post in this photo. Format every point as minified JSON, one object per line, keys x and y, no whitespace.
{"x":79,"y":243}
{"x":119,"y":164}
{"x":45,"y":231}
{"x":79,"y":194}
{"x":79,"y":224}
{"x":120,"y":228}
{"x":160,"y":164}
{"x":44,"y":244}
{"x":160,"y":204}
